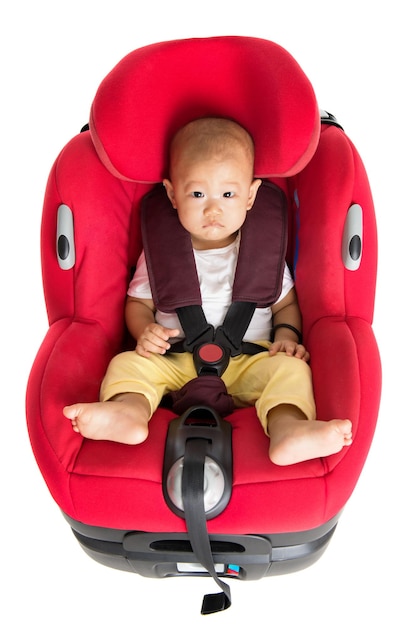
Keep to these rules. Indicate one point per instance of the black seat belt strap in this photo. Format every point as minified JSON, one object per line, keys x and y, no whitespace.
{"x":194,"y":511}
{"x":235,"y":324}
{"x":196,"y":328}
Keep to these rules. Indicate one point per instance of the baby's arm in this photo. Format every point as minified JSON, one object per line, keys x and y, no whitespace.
{"x":285,"y":339}
{"x":150,"y":336}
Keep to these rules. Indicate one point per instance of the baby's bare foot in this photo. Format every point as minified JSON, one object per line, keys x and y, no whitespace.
{"x":300,"y":440}
{"x":112,"y":421}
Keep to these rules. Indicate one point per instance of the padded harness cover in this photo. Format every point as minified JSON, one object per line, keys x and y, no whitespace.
{"x":170,"y":259}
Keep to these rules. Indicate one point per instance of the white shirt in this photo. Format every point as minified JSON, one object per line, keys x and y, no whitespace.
{"x":216,"y":271}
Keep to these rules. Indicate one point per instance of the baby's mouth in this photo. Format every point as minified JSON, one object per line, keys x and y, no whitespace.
{"x":213,"y":225}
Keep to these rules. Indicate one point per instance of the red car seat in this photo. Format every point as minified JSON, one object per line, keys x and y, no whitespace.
{"x":278,"y":519}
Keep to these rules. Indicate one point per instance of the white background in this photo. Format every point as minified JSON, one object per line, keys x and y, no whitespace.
{"x":361,"y":57}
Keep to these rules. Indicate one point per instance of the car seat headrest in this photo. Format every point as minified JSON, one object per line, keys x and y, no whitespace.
{"x":155,"y":90}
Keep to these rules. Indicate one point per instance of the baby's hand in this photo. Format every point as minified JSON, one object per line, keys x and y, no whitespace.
{"x":291,"y":348}
{"x":154,"y":339}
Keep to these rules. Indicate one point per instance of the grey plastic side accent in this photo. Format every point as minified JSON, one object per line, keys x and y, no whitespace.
{"x":352,"y":243}
{"x":65,"y":245}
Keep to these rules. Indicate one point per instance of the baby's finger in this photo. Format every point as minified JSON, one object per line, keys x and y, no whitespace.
{"x":152,"y":343}
{"x":302,"y":353}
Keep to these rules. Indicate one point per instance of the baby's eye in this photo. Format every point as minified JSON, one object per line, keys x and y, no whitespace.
{"x":228,"y":194}
{"x":197,"y":194}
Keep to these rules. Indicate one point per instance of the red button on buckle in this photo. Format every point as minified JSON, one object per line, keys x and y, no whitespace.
{"x":211,"y":353}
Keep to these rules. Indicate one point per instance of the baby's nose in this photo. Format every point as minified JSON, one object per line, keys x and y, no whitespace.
{"x":213,"y":207}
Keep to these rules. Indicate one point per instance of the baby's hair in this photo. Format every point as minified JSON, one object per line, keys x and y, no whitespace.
{"x":211,"y":137}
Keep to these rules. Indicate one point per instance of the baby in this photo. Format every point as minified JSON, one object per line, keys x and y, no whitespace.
{"x":212,"y":187}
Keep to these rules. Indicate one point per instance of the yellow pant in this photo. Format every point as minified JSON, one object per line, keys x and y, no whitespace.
{"x":258,"y":380}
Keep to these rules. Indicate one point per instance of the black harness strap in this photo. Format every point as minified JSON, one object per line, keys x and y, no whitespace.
{"x":194,"y":510}
{"x":234,"y":327}
{"x":197,"y":329}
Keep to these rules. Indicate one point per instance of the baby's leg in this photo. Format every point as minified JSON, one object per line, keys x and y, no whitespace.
{"x":293,"y":438}
{"x":123,"y":419}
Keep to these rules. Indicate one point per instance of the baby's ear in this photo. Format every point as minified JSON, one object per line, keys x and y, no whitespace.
{"x":253,"y":192}
{"x":169,"y":190}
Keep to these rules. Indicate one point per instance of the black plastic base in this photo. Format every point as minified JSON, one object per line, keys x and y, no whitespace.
{"x":245,"y":557}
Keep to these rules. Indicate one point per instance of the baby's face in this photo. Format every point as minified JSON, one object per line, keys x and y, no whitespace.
{"x":212,"y":198}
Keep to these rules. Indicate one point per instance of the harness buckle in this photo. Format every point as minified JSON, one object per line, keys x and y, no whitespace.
{"x":210,"y":359}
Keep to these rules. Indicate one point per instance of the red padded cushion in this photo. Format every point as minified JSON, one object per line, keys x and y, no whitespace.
{"x":155,"y":90}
